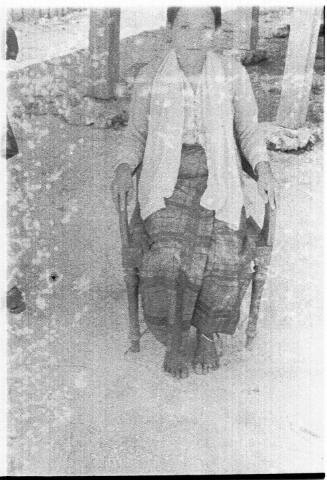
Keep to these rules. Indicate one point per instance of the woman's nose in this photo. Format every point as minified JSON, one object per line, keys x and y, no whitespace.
{"x":194,"y":40}
{"x":197,"y":39}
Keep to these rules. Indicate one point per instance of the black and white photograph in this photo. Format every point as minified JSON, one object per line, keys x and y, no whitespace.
{"x":163,"y":239}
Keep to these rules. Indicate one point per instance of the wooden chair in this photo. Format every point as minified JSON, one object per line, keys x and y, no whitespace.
{"x":130,"y":263}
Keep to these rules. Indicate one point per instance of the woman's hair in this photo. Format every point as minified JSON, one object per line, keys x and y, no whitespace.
{"x":172,"y":13}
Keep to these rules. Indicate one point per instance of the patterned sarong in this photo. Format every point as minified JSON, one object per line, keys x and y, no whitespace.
{"x":194,"y":261}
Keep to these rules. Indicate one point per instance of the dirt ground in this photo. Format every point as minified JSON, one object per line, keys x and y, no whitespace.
{"x":79,"y":403}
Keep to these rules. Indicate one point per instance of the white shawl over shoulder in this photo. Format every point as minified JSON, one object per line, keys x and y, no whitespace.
{"x":161,"y":161}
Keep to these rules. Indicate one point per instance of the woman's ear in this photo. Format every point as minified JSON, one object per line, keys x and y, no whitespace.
{"x":169,"y":36}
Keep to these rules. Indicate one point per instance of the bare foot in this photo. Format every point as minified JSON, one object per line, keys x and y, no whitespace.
{"x":206,"y":356}
{"x":176,"y":359}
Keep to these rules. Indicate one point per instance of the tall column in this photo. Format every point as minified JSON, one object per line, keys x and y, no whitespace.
{"x":254,"y":33}
{"x":104,"y":36}
{"x":300,"y":58}
{"x":242,"y":22}
{"x":246,"y":28}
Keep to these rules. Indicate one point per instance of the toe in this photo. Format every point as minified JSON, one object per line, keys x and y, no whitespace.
{"x":167,"y":367}
{"x":184,"y":373}
{"x":198,"y":368}
{"x":205,"y":369}
{"x":215,"y":365}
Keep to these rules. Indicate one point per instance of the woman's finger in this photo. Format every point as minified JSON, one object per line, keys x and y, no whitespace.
{"x":113,"y":189}
{"x":277,"y":194}
{"x":116,"y":201}
{"x":115,"y":196}
{"x":120,"y":201}
{"x":272,"y":202}
{"x":130,"y":196}
{"x":262,"y":192}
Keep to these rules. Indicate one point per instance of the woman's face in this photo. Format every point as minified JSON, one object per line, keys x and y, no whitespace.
{"x":192,"y":32}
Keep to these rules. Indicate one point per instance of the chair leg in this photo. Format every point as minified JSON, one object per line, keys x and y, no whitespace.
{"x":256,"y":294}
{"x":258,"y":283}
{"x":132,"y":286}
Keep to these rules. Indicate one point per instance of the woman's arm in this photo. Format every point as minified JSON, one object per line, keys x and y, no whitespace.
{"x":131,"y":151}
{"x":134,"y":139}
{"x":252,"y":142}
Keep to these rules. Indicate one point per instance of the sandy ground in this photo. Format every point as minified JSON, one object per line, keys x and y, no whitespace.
{"x":50,"y":38}
{"x":61,"y":35}
{"x":79,"y":405}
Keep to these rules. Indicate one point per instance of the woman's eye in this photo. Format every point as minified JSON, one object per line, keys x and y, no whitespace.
{"x":184,"y":27}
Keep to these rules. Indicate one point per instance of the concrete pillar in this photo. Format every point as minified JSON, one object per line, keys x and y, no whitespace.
{"x":300,"y":58}
{"x":246,"y":28}
{"x":104,"y":36}
{"x":242,"y":22}
{"x":254,"y":33}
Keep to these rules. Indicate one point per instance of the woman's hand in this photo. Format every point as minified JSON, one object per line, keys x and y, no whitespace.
{"x":122,"y":185}
{"x":267,"y":185}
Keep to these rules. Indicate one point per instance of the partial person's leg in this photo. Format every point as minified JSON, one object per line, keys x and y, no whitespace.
{"x":11,"y":144}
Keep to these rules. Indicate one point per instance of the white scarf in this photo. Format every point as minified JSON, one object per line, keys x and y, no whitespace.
{"x":162,"y":155}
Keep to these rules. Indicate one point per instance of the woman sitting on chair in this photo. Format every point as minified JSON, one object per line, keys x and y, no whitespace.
{"x":189,"y":112}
